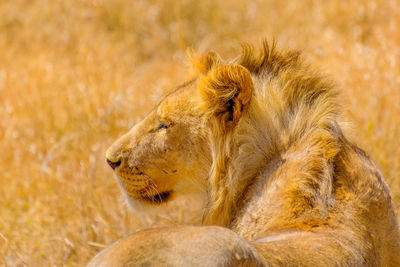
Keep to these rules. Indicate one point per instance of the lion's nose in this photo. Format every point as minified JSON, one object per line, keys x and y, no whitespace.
{"x":113,"y":164}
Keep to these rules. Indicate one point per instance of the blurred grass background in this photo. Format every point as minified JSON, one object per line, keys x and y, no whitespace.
{"x":74,"y":75}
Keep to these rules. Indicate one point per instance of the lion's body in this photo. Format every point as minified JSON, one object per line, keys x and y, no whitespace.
{"x":270,"y":162}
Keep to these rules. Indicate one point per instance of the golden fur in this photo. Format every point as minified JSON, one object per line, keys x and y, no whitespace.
{"x":258,"y":143}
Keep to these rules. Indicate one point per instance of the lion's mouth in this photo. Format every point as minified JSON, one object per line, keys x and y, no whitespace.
{"x":143,"y":190}
{"x":158,"y":198}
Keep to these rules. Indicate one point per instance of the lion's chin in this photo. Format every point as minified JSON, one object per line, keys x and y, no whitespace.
{"x":169,"y":206}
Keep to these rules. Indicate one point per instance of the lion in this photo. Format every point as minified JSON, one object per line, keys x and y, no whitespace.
{"x":256,"y":148}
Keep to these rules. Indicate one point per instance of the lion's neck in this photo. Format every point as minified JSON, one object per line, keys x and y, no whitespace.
{"x":293,"y":185}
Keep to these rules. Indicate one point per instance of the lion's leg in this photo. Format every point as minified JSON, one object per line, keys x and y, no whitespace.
{"x":328,"y":248}
{"x":180,"y":246}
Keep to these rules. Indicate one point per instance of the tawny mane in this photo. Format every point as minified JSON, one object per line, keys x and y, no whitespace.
{"x":291,"y":106}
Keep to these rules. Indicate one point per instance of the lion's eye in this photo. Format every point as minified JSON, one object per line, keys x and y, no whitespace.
{"x":162,"y":126}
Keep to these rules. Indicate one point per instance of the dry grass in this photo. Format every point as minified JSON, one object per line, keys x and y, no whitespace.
{"x":76,"y":74}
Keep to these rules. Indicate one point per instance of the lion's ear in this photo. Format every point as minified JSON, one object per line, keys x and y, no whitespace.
{"x":226,"y":92}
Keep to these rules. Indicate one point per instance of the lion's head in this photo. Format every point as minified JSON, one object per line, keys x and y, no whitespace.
{"x":167,"y":157}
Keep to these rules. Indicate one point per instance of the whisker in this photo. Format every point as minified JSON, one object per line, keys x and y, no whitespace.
{"x":157,"y":192}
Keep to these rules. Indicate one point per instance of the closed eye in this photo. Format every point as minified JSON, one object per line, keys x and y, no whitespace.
{"x":162,"y":126}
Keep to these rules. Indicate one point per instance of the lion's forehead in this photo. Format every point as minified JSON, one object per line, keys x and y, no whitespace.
{"x":180,"y":103}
